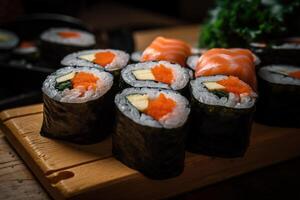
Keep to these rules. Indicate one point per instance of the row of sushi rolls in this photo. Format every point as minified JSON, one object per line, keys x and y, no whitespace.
{"x":160,"y":102}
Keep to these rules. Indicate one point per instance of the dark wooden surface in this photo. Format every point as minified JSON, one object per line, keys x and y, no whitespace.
{"x":280,"y":181}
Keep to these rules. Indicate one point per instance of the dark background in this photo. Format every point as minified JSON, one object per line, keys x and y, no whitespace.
{"x":276,"y":182}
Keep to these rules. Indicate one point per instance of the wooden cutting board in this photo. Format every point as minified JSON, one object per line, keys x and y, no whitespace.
{"x":91,"y":172}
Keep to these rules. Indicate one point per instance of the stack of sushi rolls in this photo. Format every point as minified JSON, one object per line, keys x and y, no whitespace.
{"x":58,"y":42}
{"x":110,"y":60}
{"x":152,"y":114}
{"x":78,"y":105}
{"x":162,"y":74}
{"x":151,"y":130}
{"x":8,"y":41}
{"x":279,"y":89}
{"x":223,"y":103}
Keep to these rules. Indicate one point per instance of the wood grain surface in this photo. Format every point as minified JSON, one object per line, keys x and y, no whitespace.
{"x":81,"y":172}
{"x":17,"y":183}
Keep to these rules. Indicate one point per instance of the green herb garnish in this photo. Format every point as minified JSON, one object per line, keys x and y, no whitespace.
{"x":236,"y":23}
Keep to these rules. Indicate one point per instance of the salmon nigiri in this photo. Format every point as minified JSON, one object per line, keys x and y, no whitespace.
{"x":172,"y":50}
{"x":234,"y":62}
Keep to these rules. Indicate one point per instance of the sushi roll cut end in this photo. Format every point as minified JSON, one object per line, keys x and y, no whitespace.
{"x":107,"y":59}
{"x":160,"y":74}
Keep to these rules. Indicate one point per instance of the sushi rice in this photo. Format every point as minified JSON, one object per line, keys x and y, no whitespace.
{"x":120,"y":60}
{"x":279,"y":74}
{"x":203,"y":95}
{"x":104,"y":83}
{"x":84,"y":39}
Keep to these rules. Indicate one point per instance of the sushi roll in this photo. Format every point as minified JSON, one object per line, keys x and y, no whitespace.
{"x":222,"y":110}
{"x":27,"y":50}
{"x":8,"y":41}
{"x":107,"y":59}
{"x":279,"y":91}
{"x":167,"y":49}
{"x":150,"y":131}
{"x":58,"y":42}
{"x":78,"y":105}
{"x":160,"y":74}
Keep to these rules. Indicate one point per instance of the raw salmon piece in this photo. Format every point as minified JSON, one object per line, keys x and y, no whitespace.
{"x":172,"y":50}
{"x":234,"y":62}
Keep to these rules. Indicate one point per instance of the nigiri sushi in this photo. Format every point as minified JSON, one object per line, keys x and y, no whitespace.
{"x":166,"y":49}
{"x":231,"y":62}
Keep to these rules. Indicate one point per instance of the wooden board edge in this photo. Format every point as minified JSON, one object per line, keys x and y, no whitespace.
{"x":125,"y":184}
{"x":26,"y":158}
{"x":20,"y":111}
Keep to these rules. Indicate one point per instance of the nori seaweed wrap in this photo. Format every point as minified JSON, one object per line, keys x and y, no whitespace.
{"x":162,"y":74}
{"x":78,"y":105}
{"x":222,"y":110}
{"x":59,"y":42}
{"x":279,"y":96}
{"x":150,"y":131}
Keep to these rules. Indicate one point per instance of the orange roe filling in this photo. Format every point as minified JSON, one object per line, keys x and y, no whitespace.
{"x":295,"y":74}
{"x":85,"y":80}
{"x":26,"y":44}
{"x":104,"y":58}
{"x":159,"y":107}
{"x":68,"y":34}
{"x":162,"y":74}
{"x":235,"y":85}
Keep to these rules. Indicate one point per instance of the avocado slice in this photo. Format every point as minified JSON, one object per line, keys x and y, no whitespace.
{"x":140,"y":101}
{"x":143,"y":74}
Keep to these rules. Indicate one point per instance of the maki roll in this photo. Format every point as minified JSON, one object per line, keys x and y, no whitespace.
{"x":222,"y":110}
{"x":107,"y":59}
{"x":279,"y":95}
{"x":167,"y":49}
{"x":150,"y":131}
{"x":58,"y":42}
{"x":27,"y":50}
{"x":78,"y":105}
{"x":8,"y":41}
{"x":160,"y":74}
